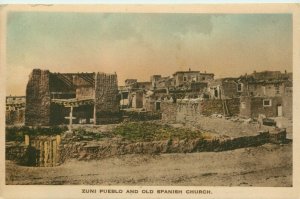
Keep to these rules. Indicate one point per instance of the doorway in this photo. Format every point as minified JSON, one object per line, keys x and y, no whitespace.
{"x":279,"y":110}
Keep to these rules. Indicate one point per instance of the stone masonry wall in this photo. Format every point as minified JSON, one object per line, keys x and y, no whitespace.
{"x":245,"y":108}
{"x":229,"y":90}
{"x":185,"y":110}
{"x":181,"y":111}
{"x":90,"y":151}
{"x":15,"y":117}
{"x":287,"y":102}
{"x":37,"y":111}
{"x":106,"y":98}
{"x":209,"y":107}
{"x":258,"y":108}
{"x":234,"y":106}
{"x":168,"y":110}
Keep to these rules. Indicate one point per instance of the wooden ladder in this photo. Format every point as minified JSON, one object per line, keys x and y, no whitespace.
{"x":225,"y":107}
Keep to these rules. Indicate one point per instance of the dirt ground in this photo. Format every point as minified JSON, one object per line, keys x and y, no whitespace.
{"x":267,"y":165}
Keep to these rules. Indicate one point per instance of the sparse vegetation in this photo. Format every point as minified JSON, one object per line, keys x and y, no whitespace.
{"x":149,"y":131}
{"x":133,"y":131}
{"x":82,"y":134}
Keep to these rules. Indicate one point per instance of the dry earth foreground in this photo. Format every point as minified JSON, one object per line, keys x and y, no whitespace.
{"x":154,"y":153}
{"x":267,"y":165}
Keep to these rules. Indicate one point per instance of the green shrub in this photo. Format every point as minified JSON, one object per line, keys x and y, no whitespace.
{"x":148,"y":131}
{"x":82,"y":134}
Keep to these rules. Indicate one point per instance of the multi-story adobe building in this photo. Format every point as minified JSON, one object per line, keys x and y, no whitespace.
{"x":183,"y":77}
{"x":268,"y":93}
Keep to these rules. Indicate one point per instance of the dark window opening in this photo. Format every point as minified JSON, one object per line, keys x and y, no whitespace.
{"x":157,"y":106}
{"x":240,"y":87}
{"x":216,"y":92}
{"x":267,"y":102}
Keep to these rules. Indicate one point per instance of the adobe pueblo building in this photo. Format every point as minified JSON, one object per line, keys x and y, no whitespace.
{"x":58,"y":98}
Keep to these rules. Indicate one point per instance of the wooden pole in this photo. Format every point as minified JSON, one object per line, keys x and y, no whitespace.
{"x":71,"y":118}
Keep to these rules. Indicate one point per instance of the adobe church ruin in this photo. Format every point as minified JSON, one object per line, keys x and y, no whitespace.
{"x":55,"y":98}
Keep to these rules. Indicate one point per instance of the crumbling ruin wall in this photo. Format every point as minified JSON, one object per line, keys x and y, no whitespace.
{"x":92,"y":150}
{"x":13,"y":117}
{"x":37,"y":111}
{"x":52,"y":150}
{"x":106,"y":98}
{"x":183,"y":111}
{"x":168,"y":110}
{"x":229,"y":90}
{"x":15,"y":151}
{"x":209,"y":107}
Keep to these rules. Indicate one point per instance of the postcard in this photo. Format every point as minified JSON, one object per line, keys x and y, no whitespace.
{"x":150,"y":101}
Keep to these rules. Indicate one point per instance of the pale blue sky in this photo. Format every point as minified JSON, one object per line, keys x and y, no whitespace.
{"x":140,"y":45}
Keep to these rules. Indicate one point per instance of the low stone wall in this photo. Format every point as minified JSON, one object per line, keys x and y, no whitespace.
{"x":87,"y":151}
{"x":15,"y":151}
{"x":40,"y":154}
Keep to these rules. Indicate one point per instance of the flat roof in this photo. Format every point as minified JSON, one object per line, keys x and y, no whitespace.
{"x":193,"y":71}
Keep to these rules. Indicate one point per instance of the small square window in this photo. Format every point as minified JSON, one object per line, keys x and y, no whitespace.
{"x":267,"y":102}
